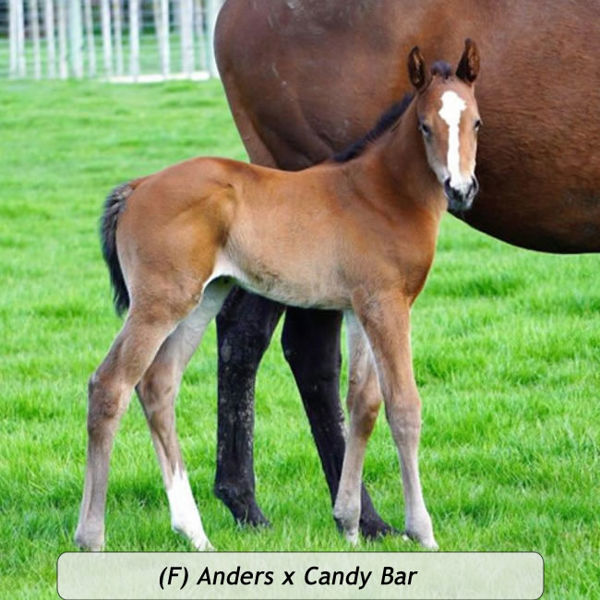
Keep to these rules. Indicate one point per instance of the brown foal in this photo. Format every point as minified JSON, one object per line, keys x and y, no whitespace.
{"x":357,"y":236}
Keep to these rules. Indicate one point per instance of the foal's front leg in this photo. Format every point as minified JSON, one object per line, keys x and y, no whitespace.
{"x":363,"y":400}
{"x":386,"y":320}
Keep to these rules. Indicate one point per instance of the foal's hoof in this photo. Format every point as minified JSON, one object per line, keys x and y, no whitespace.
{"x":204,"y":546}
{"x":195,"y":535}
{"x":427,"y":542}
{"x":92,"y":541}
{"x":351,"y":536}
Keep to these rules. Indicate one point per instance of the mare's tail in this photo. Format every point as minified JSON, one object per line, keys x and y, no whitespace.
{"x":114,"y":205}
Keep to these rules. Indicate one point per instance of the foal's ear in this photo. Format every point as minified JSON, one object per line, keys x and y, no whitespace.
{"x":468,"y":66}
{"x":416,"y":69}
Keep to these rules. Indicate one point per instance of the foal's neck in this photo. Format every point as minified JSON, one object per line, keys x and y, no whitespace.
{"x":405,"y":174}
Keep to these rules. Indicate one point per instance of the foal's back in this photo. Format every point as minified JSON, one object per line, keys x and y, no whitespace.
{"x":317,"y":229}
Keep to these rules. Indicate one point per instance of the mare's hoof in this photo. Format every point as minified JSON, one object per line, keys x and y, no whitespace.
{"x":375,"y":527}
{"x":252,"y":517}
{"x":242,"y":505}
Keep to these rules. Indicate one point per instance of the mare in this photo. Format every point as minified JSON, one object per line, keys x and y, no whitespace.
{"x":304,"y":78}
{"x":176,"y":241}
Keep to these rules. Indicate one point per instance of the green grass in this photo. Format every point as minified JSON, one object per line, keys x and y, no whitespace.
{"x":505,"y":344}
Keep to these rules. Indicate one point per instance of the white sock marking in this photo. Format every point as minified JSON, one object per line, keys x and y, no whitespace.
{"x":185,"y":517}
{"x":452,"y":107}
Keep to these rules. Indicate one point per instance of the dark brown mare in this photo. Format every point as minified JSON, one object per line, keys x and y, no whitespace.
{"x":357,"y":234}
{"x":306,"y":77}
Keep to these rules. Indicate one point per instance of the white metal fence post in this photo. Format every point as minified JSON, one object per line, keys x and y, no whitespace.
{"x":12,"y":37}
{"x":156,"y":20}
{"x":50,"y":43}
{"x":20,"y":31}
{"x":89,"y":37}
{"x":213,"y":7}
{"x":118,"y":35}
{"x":34,"y":21}
{"x":199,"y":28}
{"x":75,"y":38}
{"x":63,"y":69}
{"x":187,"y":36}
{"x":106,"y":37}
{"x":134,"y":39}
{"x":165,"y":54}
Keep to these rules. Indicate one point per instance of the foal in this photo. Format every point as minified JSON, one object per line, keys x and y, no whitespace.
{"x":357,"y":234}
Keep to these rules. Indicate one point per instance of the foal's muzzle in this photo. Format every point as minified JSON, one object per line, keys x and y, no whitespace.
{"x":461,"y":199}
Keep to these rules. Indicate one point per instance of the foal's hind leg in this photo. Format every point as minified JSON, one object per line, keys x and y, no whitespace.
{"x":109,"y":392}
{"x":363,"y":400}
{"x":157,"y":392}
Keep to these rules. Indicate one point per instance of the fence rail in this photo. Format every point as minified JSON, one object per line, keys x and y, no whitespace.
{"x":116,"y":40}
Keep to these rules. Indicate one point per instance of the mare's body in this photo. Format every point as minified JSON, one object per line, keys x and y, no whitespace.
{"x":305,"y":78}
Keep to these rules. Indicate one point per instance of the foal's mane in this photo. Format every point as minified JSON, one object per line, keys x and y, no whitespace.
{"x":388,"y":119}
{"x":385,"y":122}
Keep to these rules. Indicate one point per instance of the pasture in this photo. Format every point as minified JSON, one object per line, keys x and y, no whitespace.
{"x":505,"y":343}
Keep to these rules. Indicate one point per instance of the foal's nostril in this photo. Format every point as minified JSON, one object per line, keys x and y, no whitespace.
{"x":460,"y":199}
{"x":474,"y":187}
{"x":449,"y":190}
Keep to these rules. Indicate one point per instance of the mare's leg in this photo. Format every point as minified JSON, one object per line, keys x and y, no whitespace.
{"x":244,"y":327}
{"x":157,"y":391}
{"x":364,"y":399}
{"x":109,"y":391}
{"x":385,"y":318}
{"x":311,"y":343}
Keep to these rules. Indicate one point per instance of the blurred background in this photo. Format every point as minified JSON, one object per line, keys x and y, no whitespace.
{"x":118,"y":40}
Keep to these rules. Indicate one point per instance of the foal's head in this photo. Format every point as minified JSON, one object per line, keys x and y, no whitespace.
{"x":448,"y":119}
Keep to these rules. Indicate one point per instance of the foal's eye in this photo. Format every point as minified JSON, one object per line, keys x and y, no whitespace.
{"x":477,"y":125}
{"x":425,"y":129}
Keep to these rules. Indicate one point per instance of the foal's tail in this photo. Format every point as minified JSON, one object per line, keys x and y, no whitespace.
{"x":114,"y":205}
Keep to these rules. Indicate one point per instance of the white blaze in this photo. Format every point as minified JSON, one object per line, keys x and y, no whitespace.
{"x":452,"y":107}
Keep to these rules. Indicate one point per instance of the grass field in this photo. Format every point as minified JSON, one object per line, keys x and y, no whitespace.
{"x":505,"y":344}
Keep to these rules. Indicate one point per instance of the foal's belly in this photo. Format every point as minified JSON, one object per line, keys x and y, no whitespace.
{"x":318,"y":288}
{"x":300,"y":282}
{"x":304,"y":294}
